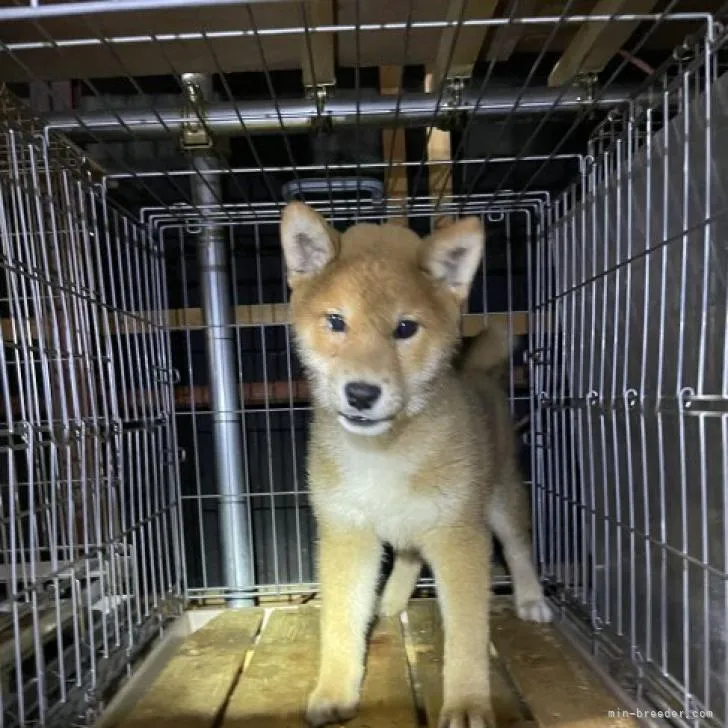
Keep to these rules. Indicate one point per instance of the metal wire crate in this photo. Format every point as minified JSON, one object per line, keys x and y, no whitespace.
{"x":154,"y":412}
{"x":89,"y":541}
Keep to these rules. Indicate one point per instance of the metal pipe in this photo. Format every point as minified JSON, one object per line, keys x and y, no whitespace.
{"x":415,"y":109}
{"x":95,"y":7}
{"x":219,"y":322}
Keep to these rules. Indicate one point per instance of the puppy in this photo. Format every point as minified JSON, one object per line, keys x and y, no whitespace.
{"x":405,"y":448}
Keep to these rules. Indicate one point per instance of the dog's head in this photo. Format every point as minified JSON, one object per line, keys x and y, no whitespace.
{"x":376,"y":311}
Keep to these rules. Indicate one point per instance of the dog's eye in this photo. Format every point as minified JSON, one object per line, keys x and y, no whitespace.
{"x":336,"y":322}
{"x":406,"y":329}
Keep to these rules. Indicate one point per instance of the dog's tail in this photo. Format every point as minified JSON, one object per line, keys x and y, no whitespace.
{"x":487,"y":352}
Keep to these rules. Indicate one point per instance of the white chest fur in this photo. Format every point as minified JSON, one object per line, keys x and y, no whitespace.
{"x":377,"y":491}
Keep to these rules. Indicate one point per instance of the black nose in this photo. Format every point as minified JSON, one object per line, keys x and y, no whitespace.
{"x":362,"y":395}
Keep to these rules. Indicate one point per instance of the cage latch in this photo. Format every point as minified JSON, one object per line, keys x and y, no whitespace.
{"x":194,"y":134}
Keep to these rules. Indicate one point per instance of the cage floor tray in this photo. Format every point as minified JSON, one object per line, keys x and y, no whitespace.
{"x":242,"y":670}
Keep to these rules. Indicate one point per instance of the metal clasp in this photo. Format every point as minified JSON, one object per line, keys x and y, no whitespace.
{"x":320,"y":94}
{"x":194,"y":131}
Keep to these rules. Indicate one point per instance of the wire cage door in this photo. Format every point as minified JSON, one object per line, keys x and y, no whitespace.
{"x":632,"y":386}
{"x":90,"y":566}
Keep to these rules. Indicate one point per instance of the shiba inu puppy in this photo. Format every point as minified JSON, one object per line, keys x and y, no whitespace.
{"x":405,"y":448}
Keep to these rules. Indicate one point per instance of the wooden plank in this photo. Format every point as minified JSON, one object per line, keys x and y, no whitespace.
{"x":425,"y":630}
{"x":274,"y":689}
{"x":557,"y":685}
{"x":192,"y":688}
{"x":317,"y":49}
{"x":506,"y":37}
{"x":279,"y":392}
{"x":394,"y":150}
{"x":459,"y":47}
{"x":595,"y":44}
{"x":387,"y":698}
{"x":272,"y":692}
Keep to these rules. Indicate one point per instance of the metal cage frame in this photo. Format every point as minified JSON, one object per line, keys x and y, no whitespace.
{"x":127,"y":347}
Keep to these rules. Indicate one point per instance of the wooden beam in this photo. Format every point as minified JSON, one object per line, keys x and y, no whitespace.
{"x":318,"y":48}
{"x":439,"y":176}
{"x":394,"y":150}
{"x":506,"y":37}
{"x":460,"y":46}
{"x":596,"y":43}
{"x":193,"y":319}
{"x":252,"y":394}
{"x":260,"y":394}
{"x":274,"y":392}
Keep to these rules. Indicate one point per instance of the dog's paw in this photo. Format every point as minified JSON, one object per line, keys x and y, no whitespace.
{"x":326,"y":708}
{"x":534,"y":610}
{"x":470,"y":714}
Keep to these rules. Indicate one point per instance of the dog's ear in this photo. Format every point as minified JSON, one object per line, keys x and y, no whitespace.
{"x":452,"y":255}
{"x":309,"y":242}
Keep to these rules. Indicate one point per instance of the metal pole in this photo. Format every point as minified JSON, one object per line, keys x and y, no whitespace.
{"x":415,"y":109}
{"x":95,"y":7}
{"x":236,"y":558}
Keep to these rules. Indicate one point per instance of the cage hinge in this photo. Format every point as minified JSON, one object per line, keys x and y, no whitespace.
{"x":166,"y":375}
{"x":194,"y":134}
{"x":629,"y":400}
{"x":686,"y":52}
{"x":174,"y":456}
{"x":627,"y":672}
{"x":321,"y":123}
{"x":172,"y":606}
{"x":143,"y":424}
{"x":539,"y":441}
{"x":539,"y":356}
{"x":15,"y":437}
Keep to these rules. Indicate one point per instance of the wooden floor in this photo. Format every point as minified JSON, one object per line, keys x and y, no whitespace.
{"x":234,"y":674}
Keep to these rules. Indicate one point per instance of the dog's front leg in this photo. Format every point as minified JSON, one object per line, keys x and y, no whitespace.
{"x":460,"y":560}
{"x":349,"y":562}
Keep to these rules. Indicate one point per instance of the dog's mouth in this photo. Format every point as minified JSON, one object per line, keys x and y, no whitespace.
{"x":362,"y":426}
{"x":361,"y":421}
